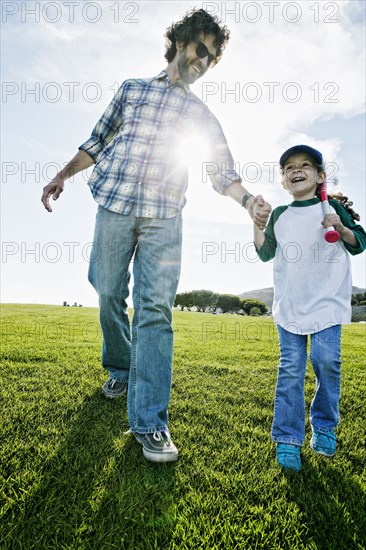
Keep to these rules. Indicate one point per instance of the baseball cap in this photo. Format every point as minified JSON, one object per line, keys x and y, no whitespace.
{"x":313,"y":153}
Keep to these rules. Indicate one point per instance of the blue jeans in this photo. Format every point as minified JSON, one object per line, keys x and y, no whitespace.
{"x":289,"y":410}
{"x":145,"y":357}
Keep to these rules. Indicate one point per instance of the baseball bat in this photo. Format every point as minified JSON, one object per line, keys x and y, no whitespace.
{"x":331,"y":234}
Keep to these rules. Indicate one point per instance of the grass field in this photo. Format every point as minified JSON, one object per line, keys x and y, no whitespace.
{"x":70,"y":479}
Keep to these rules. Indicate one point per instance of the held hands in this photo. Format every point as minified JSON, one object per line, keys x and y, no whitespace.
{"x":54,"y":190}
{"x":259,"y":210}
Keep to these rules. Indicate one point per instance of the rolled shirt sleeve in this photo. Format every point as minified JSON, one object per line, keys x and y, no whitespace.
{"x":268,"y":249}
{"x":106,"y":128}
{"x":357,"y":229}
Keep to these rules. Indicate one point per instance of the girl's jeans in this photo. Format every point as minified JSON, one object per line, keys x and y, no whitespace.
{"x":289,"y":410}
{"x":145,"y":358}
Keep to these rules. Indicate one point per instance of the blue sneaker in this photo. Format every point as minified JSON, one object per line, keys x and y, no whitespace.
{"x":323,"y":443}
{"x":288,"y":456}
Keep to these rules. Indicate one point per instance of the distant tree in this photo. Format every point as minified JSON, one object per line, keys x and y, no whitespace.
{"x":196,"y":301}
{"x":178,"y":301}
{"x":248,"y":304}
{"x":358,"y":298}
{"x":243,"y":302}
{"x":203,"y":299}
{"x":254,"y":311}
{"x":228,"y":302}
{"x":183,"y":299}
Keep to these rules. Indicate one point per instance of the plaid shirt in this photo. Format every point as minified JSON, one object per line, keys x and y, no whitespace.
{"x":135,"y":145}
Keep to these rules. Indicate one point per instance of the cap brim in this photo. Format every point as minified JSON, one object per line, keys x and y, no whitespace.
{"x":313,"y":153}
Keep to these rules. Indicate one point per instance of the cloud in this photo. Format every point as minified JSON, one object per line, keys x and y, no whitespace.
{"x":277,"y":80}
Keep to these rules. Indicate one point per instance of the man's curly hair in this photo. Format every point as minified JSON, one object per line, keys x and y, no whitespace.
{"x":189,"y":29}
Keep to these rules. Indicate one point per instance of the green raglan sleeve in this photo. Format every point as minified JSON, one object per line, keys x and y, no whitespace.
{"x":268,"y":249}
{"x":349,"y":222}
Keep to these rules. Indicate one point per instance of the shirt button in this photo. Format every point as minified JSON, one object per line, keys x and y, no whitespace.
{"x":139,"y":183}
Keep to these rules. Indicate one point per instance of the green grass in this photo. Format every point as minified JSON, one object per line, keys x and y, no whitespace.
{"x":70,"y":479}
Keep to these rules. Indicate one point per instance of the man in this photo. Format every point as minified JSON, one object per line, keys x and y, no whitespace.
{"x":139,"y":182}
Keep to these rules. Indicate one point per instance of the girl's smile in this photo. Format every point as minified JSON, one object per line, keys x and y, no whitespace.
{"x":301,"y":177}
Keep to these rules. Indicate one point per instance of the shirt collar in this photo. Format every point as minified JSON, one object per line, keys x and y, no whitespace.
{"x":163,"y":75}
{"x":308,"y":202}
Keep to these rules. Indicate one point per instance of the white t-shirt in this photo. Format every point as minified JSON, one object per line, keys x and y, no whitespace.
{"x":312,"y":278}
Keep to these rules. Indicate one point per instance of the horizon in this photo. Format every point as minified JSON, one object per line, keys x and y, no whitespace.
{"x":60,"y":69}
{"x":355,"y":290}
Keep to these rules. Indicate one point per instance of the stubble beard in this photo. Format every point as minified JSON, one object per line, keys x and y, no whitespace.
{"x":183,"y":68}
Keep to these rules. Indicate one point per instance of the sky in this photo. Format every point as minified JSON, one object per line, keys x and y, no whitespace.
{"x":293,"y":72}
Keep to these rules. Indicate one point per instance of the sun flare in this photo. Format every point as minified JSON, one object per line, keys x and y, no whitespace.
{"x":191,"y":151}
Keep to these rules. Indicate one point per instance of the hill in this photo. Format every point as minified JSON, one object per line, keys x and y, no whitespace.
{"x":263,"y":294}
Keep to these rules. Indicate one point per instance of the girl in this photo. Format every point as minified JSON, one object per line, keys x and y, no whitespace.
{"x":312,"y":296}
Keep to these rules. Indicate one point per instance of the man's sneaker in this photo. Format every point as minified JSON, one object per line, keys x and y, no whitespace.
{"x":323,"y":443}
{"x":158,"y":446}
{"x":288,"y":456}
{"x":114,"y":388}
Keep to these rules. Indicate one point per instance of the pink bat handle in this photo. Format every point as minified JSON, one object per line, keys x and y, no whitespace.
{"x":331,"y":234}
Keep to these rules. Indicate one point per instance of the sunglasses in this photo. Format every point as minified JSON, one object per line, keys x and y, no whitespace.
{"x":202,"y":52}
